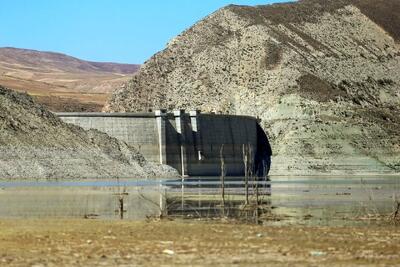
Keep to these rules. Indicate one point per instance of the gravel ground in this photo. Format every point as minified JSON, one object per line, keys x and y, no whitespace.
{"x":82,"y":242}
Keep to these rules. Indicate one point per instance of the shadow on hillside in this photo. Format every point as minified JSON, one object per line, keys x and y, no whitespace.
{"x":262,"y":161}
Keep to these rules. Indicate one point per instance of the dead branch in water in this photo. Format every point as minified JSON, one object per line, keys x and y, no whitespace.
{"x":246,"y":172}
{"x":223,"y":173}
{"x":395,"y":216}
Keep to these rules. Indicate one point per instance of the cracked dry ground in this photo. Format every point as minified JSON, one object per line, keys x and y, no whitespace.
{"x":69,"y":242}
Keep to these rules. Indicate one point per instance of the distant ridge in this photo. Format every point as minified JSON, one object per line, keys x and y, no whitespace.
{"x":61,"y":61}
{"x":59,"y":81}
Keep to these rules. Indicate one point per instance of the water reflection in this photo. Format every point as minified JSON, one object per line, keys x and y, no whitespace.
{"x":209,"y":199}
{"x":284,"y":200}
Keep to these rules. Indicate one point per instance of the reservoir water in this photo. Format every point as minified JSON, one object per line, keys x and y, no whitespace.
{"x":283,"y":200}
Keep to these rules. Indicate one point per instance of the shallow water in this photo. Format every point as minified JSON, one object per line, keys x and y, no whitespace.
{"x":335,"y":200}
{"x":288,"y":200}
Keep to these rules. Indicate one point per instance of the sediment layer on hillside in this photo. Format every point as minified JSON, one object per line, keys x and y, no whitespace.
{"x":34,"y":143}
{"x":323,"y":76}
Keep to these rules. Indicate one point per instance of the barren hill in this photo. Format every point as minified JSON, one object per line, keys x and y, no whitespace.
{"x":34,"y":143}
{"x":322,"y":75}
{"x":61,"y":82}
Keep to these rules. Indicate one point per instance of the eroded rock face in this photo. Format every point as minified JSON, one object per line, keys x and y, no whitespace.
{"x":322,"y":75}
{"x":34,"y":143}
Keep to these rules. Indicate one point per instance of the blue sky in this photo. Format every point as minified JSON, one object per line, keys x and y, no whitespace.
{"x":126,"y":31}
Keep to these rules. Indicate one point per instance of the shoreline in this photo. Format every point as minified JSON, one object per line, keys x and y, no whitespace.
{"x":166,"y":177}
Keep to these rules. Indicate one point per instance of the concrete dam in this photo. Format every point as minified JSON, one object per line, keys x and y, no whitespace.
{"x":193,"y":143}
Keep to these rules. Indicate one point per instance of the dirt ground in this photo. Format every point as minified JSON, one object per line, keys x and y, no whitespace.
{"x":82,"y":242}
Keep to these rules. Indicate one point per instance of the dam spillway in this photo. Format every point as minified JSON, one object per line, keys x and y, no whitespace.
{"x":192,"y":142}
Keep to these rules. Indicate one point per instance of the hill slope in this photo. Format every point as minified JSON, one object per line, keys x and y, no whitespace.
{"x":36,"y":144}
{"x":61,"y":82}
{"x":322,"y":75}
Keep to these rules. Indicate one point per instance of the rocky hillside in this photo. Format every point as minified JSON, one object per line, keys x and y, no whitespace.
{"x":36,"y":144}
{"x":61,"y":82}
{"x":322,"y":75}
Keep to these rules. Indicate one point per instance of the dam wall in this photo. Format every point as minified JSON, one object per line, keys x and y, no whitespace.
{"x":136,"y":129}
{"x":195,"y":144}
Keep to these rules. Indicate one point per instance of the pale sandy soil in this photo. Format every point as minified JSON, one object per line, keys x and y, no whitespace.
{"x":82,"y":242}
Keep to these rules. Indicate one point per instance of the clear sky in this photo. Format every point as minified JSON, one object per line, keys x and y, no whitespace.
{"x":126,"y":31}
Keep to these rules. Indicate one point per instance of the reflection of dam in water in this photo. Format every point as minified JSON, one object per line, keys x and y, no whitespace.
{"x":134,"y":200}
{"x":234,"y":198}
{"x":193,"y":143}
{"x":308,"y":200}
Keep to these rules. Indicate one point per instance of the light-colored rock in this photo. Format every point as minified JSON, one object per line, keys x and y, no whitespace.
{"x":34,"y":143}
{"x":323,"y":77}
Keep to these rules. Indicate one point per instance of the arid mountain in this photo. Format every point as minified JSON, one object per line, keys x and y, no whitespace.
{"x":323,"y":76}
{"x":61,"y":82}
{"x":34,"y":143}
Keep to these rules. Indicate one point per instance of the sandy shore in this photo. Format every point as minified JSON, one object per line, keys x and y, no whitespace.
{"x":82,"y":242}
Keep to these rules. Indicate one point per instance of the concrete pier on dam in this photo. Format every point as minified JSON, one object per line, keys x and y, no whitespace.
{"x":191,"y":142}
